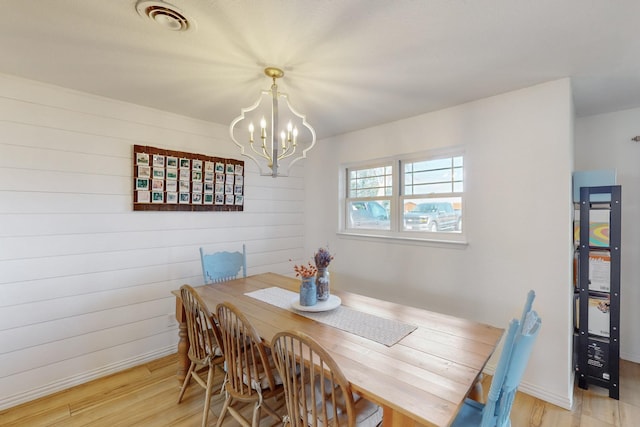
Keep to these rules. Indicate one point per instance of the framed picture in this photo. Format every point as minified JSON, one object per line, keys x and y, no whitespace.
{"x":142,"y":184}
{"x":196,"y":165}
{"x":229,"y":199}
{"x":239,"y":169}
{"x":143,"y":196}
{"x":184,"y":198}
{"x":157,"y":184}
{"x":184,"y":174}
{"x":237,"y":189}
{"x":208,"y":176}
{"x":208,"y":187}
{"x":220,"y":177}
{"x":196,"y":187}
{"x":172,"y":197}
{"x":158,"y":173}
{"x":219,"y":199}
{"x":144,"y":172}
{"x":157,"y":197}
{"x":172,"y":162}
{"x":208,"y":199}
{"x":239,"y":180}
{"x":230,"y":179}
{"x":219,"y":188}
{"x":196,"y":175}
{"x":172,"y":174}
{"x":184,"y":186}
{"x":209,"y":166}
{"x":185,"y":163}
{"x":228,"y":189}
{"x":219,"y":167}
{"x":239,"y":200}
{"x":158,"y":161}
{"x":230,"y":168}
{"x":171,"y":186}
{"x":196,"y":198}
{"x":142,"y":159}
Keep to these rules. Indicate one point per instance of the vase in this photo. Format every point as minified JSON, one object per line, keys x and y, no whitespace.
{"x":308,"y":292}
{"x":322,"y":284}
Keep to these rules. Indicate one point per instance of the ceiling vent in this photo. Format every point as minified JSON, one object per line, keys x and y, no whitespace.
{"x":165,"y":14}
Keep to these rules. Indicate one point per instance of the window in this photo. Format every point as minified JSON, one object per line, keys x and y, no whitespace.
{"x":419,"y":196}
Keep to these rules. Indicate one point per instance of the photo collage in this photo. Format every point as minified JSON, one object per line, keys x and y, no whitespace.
{"x":173,"y":180}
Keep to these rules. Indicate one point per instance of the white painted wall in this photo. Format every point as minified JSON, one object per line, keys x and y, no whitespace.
{"x":604,"y":142}
{"x":85,"y":282}
{"x":518,"y":165}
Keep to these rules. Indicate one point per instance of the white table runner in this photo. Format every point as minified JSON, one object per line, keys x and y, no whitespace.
{"x":381,"y":330}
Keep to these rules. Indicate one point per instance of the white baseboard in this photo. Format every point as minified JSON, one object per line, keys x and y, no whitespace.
{"x":631,"y":357}
{"x":17,"y":399}
{"x":565,"y":402}
{"x":535,"y":391}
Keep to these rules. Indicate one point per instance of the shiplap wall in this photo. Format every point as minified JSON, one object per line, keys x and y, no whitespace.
{"x":85,"y":282}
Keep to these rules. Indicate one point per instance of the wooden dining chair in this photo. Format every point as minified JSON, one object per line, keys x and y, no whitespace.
{"x":223,"y":266}
{"x":205,"y":348}
{"x":513,"y":361}
{"x":316,"y":391}
{"x":251,"y":374}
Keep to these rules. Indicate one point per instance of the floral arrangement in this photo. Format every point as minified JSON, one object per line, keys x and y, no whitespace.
{"x":308,"y":270}
{"x":322,"y":258}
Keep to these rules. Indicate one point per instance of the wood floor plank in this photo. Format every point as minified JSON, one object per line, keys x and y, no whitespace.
{"x":147,"y":395}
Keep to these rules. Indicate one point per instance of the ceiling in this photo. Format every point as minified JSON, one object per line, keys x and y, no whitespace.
{"x":349,"y":64}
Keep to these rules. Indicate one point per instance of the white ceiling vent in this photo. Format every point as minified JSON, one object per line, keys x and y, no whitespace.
{"x":165,"y":14}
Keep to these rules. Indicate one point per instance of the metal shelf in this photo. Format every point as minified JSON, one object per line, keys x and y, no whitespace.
{"x":594,"y":352}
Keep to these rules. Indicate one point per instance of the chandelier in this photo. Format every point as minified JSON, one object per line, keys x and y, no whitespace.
{"x":281,"y":140}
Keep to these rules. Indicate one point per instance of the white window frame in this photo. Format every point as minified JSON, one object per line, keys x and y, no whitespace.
{"x":396,"y":230}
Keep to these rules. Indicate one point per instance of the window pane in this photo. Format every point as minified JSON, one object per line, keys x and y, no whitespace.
{"x":370,"y":182}
{"x":369,"y":214}
{"x":433,"y":214}
{"x":437,"y":176}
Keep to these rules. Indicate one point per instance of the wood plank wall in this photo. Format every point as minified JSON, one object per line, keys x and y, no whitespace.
{"x":84,"y":281}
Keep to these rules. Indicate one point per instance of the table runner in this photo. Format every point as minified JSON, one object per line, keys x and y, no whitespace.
{"x":381,"y":330}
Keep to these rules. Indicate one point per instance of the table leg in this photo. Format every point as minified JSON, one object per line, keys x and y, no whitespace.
{"x":183,"y":342}
{"x":391,"y":418}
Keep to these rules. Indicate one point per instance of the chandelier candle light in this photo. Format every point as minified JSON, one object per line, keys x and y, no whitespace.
{"x":284,"y":149}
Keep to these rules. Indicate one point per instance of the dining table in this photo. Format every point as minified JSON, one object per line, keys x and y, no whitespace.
{"x":417,"y":364}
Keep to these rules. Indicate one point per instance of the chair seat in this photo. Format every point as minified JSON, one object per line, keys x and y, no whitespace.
{"x":260,"y":379}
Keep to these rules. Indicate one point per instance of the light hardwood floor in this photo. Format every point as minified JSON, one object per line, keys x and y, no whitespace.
{"x":146,"y":396}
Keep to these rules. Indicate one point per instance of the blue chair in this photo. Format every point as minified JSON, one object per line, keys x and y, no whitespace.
{"x":513,"y":361}
{"x":222,"y":266}
{"x":476,"y":392}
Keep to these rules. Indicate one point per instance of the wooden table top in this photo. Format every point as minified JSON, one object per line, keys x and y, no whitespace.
{"x":421,"y":380}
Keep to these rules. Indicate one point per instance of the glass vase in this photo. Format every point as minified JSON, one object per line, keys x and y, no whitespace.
{"x":322,"y":284}
{"x":308,"y":292}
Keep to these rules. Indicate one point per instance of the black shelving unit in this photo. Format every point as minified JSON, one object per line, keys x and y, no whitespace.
{"x":598,"y":357}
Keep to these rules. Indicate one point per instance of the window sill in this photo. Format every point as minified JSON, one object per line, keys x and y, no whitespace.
{"x":419,"y":241}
